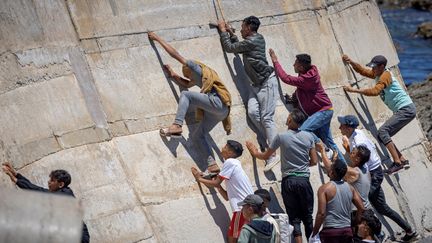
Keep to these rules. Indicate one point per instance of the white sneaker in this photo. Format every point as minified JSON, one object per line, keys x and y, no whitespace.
{"x":329,"y":154}
{"x":271,"y":162}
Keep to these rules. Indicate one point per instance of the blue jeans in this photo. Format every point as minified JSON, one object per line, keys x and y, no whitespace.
{"x":319,"y":124}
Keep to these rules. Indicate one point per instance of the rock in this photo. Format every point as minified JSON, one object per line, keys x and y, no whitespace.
{"x":421,"y":93}
{"x":425,"y":30}
{"x":424,"y":5}
{"x":394,"y":3}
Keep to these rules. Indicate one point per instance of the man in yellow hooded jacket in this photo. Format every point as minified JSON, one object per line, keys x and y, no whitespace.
{"x":213,"y":102}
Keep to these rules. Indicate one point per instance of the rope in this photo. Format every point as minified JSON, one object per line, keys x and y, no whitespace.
{"x":220,"y":9}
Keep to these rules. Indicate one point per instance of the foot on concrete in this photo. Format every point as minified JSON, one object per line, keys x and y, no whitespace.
{"x":174,"y":131}
{"x":406,"y":164}
{"x":394,"y":168}
{"x":410,"y":237}
{"x":271,"y":162}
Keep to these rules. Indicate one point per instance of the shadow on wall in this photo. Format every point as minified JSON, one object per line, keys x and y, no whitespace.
{"x":220,"y":214}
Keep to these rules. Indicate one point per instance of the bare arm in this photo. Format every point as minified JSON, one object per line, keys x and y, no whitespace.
{"x":223,"y":192}
{"x":260,"y":155}
{"x":321,"y":149}
{"x":322,"y":206}
{"x":351,"y":175}
{"x":168,"y":48}
{"x":184,"y":82}
{"x":356,"y":199}
{"x":313,"y":157}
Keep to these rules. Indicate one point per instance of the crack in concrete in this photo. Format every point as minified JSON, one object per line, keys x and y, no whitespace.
{"x":205,"y":30}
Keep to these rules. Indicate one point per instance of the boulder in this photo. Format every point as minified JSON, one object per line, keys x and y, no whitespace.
{"x":425,"y":30}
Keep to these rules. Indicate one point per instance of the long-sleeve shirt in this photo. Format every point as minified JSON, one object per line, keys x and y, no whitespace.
{"x":384,"y":80}
{"x":26,"y":184}
{"x":254,"y":55}
{"x":310,"y":93}
{"x":386,"y":86}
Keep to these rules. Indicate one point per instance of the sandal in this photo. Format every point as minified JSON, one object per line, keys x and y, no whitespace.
{"x":168,"y":132}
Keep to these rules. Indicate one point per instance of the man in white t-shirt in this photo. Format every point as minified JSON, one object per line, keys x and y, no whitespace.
{"x":352,"y":138}
{"x":237,"y":183}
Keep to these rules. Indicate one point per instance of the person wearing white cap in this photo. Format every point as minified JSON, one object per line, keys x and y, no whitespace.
{"x":396,"y":99}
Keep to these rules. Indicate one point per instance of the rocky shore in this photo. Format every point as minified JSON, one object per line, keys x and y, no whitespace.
{"x":421,"y":93}
{"x":423,"y":5}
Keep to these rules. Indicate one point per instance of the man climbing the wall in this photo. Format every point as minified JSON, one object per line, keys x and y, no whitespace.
{"x":264,"y":88}
{"x":311,"y":97}
{"x":395,"y":97}
{"x":237,"y":183}
{"x":58,"y":183}
{"x":352,"y":138}
{"x":213,"y":102}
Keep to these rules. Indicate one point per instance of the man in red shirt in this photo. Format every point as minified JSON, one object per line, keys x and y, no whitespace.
{"x":311,"y":96}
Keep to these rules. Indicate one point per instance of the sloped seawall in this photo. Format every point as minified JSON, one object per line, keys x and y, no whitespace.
{"x":82,"y":88}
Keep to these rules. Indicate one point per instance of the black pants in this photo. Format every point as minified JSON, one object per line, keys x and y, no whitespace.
{"x":378,"y":201}
{"x":298,"y":198}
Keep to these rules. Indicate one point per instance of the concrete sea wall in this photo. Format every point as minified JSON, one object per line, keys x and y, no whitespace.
{"x":81,"y":88}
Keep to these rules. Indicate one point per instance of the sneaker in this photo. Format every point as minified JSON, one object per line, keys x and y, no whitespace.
{"x":329,"y":154}
{"x":394,"y":168}
{"x":410,"y":237}
{"x":406,"y":164}
{"x":271,"y":162}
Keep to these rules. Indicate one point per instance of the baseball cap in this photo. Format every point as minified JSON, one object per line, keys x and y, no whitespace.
{"x":253,"y":200}
{"x":349,"y":120}
{"x":377,"y":60}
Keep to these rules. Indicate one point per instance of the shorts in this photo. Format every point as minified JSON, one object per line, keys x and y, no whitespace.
{"x":237,"y":222}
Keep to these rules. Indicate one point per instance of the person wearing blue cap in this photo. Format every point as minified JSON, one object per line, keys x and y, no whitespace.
{"x":396,"y":99}
{"x":353,"y":138}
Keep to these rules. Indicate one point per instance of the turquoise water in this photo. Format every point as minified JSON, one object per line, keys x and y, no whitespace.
{"x":415,"y":53}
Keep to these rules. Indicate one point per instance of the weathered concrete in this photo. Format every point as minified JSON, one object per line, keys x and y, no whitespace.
{"x":39,"y":217}
{"x":82,"y":88}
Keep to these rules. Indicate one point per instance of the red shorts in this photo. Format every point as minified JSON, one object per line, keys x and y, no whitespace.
{"x":237,"y":222}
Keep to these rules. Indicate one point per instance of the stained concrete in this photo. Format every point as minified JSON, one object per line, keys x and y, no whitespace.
{"x":82,"y":88}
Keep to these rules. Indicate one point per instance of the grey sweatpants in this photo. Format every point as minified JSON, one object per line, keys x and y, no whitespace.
{"x":261,"y":109}
{"x":214,"y":112}
{"x":396,"y":122}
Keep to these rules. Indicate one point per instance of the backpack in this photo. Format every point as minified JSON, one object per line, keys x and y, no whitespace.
{"x":285,"y":229}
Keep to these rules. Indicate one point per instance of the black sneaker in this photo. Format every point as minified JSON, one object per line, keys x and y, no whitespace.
{"x":406,"y":164}
{"x":410,"y":237}
{"x":394,"y":168}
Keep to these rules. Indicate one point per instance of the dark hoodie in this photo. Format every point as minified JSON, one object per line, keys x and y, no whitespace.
{"x":257,"y":231}
{"x":310,"y":93}
{"x":24,"y":183}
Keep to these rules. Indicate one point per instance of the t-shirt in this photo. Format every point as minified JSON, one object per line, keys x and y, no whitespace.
{"x":295,"y":146}
{"x":236,"y":181}
{"x":359,"y":138}
{"x":196,"y":72}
